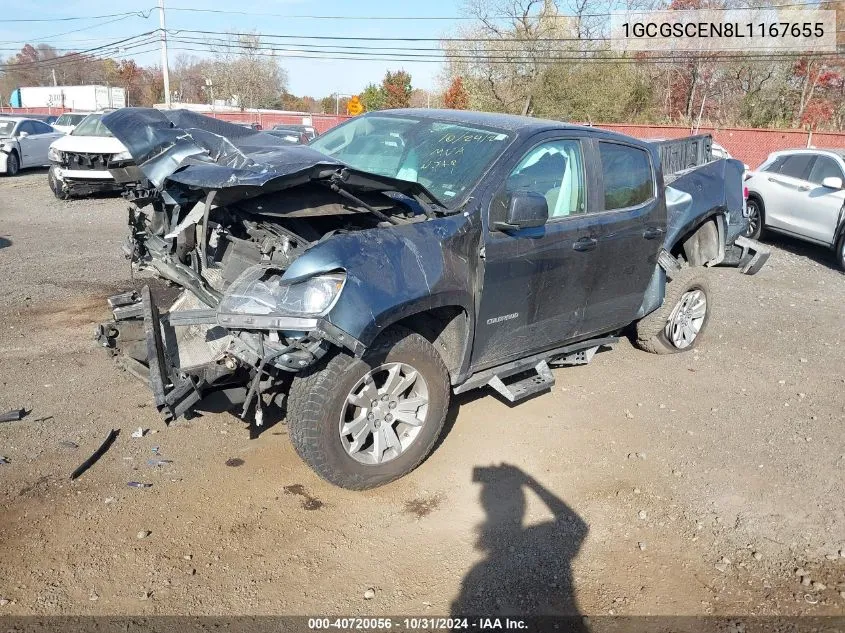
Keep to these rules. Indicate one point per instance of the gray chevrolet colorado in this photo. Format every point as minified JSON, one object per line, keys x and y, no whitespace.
{"x":405,"y":256}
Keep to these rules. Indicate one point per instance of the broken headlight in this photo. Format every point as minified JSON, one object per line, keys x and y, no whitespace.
{"x":55,"y":155}
{"x":124,"y":155}
{"x":261,"y":299}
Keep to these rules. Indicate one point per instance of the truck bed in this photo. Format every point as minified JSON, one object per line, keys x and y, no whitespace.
{"x":680,"y":154}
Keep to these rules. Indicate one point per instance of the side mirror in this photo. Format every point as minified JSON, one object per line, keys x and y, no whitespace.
{"x":832,"y":182}
{"x":23,"y":134}
{"x":525,"y":210}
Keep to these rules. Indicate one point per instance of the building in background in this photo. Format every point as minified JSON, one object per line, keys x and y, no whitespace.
{"x":87,"y":98}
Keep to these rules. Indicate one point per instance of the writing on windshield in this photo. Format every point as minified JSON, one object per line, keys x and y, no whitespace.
{"x":446,"y":158}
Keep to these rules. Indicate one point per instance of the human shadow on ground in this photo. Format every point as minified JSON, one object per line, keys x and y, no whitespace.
{"x":527,"y":571}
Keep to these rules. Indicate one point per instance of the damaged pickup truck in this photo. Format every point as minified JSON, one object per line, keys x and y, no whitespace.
{"x":405,"y":256}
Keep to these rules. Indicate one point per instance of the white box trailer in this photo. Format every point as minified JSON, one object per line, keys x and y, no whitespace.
{"x":72,"y":97}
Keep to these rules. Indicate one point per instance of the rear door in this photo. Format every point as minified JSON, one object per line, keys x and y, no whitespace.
{"x":818,"y":215}
{"x":534,"y":291}
{"x":43,"y":135}
{"x":628,"y":232}
{"x":786,"y":187}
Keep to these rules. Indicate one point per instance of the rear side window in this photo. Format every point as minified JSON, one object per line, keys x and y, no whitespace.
{"x":627,"y":175}
{"x":797,"y":166}
{"x":41,"y":128}
{"x":824,"y":167}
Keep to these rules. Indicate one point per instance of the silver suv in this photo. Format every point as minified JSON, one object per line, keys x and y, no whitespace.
{"x":800,"y":193}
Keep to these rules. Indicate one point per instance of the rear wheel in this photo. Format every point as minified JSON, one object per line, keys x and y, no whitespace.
{"x":840,"y":251}
{"x":13,"y":164}
{"x":677,"y":326}
{"x":755,"y":218}
{"x":361,"y":423}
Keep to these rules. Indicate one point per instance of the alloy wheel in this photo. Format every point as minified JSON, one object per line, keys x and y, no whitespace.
{"x":384,"y":413}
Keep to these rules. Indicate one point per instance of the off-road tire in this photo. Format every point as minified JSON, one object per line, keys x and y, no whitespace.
{"x":13,"y":164}
{"x":650,"y":330}
{"x":317,"y":397}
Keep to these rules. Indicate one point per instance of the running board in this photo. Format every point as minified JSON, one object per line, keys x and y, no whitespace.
{"x":521,"y":389}
{"x":579,"y":353}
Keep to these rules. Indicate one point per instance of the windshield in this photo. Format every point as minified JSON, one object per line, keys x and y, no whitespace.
{"x":91,"y":126}
{"x":446,"y":158}
{"x":6,"y":128}
{"x":70,"y":119}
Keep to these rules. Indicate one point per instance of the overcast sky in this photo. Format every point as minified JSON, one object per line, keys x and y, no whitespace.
{"x":306,"y":76}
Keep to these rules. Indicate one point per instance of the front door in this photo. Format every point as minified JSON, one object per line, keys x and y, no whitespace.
{"x":533,"y":293}
{"x":817,"y":214}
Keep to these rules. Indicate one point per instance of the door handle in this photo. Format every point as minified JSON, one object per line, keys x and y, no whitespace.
{"x":652,"y":233}
{"x":585,"y":244}
{"x":803,"y":188}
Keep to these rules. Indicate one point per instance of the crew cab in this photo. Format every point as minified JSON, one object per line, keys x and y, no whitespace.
{"x":405,"y":256}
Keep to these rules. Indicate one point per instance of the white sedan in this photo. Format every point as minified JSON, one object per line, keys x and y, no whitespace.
{"x":800,"y":192}
{"x":87,"y":160}
{"x":24,"y":143}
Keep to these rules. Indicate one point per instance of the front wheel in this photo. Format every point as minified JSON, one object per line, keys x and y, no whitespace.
{"x":361,"y":423}
{"x":678,"y":325}
{"x":57,"y":187}
{"x":13,"y":164}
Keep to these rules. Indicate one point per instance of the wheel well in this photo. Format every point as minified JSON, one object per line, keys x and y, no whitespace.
{"x":447,"y":329}
{"x":700,"y":245}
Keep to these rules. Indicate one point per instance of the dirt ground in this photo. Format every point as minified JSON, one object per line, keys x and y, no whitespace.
{"x":690,"y":484}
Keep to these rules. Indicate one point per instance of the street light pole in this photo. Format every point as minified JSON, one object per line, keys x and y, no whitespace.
{"x":164,"y":69}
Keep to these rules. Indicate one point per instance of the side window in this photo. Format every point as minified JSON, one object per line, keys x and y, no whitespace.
{"x":26,"y":126}
{"x":797,"y":166}
{"x":824,"y":167}
{"x":627,"y":175}
{"x":554,"y":169}
{"x":775,"y":165}
{"x":41,"y":128}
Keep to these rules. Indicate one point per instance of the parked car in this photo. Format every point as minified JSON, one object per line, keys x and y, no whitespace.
{"x":24,"y":142}
{"x":251,"y":126}
{"x":295,"y":137}
{"x":309,"y":130}
{"x":800,"y":193}
{"x":49,"y":119}
{"x":69,"y":120}
{"x":88,"y":160}
{"x":404,"y":256}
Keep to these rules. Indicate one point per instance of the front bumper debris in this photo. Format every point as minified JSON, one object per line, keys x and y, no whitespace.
{"x":753,"y":255}
{"x":190,"y":362}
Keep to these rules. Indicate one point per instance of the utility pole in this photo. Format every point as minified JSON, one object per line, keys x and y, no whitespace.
{"x":165,"y":72}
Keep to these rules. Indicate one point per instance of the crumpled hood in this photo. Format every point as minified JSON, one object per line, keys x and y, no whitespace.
{"x":179,"y":149}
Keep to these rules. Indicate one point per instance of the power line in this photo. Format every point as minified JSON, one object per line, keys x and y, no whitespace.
{"x":123,"y":44}
{"x":44,"y":38}
{"x":139,"y":13}
{"x":667,"y":59}
{"x":376,"y":50}
{"x":452,"y":17}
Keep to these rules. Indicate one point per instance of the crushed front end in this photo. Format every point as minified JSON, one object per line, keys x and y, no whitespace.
{"x":223,"y":216}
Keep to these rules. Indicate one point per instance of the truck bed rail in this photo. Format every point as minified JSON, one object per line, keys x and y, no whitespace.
{"x":679,"y":154}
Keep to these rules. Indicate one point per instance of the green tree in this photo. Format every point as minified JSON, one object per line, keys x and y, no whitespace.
{"x":372,"y":98}
{"x":396,"y":88}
